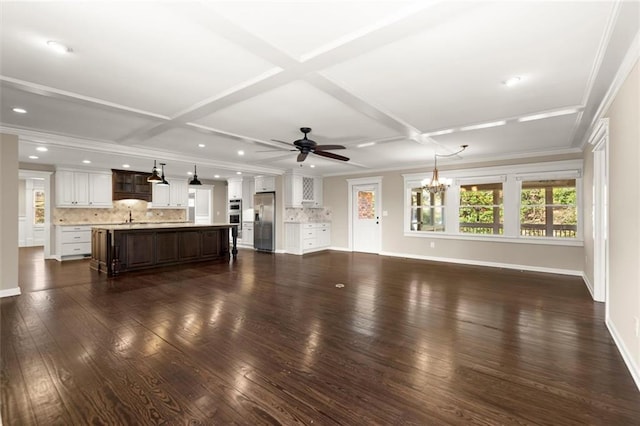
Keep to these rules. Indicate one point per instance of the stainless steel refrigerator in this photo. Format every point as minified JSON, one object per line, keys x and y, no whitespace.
{"x":264,"y":221}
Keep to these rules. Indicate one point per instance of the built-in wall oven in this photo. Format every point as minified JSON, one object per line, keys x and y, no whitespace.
{"x":235,"y":214}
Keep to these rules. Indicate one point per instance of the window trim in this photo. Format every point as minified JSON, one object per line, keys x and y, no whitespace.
{"x":511,"y":177}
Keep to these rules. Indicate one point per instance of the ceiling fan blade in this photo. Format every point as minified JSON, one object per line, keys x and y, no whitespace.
{"x":301,"y":157}
{"x":328,"y":147}
{"x":282,"y":142}
{"x":330,"y":155}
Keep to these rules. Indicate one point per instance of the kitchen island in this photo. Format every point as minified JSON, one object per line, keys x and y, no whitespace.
{"x":119,"y":248}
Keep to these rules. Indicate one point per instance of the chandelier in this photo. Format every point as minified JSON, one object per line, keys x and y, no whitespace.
{"x":435,"y":185}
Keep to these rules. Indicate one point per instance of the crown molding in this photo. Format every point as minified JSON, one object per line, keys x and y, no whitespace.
{"x":107,"y":147}
{"x":630,"y":59}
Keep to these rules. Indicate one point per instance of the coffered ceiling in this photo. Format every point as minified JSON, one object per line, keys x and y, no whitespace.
{"x":195,"y":82}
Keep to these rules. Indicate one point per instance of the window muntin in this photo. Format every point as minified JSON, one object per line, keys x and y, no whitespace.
{"x":548,"y":208}
{"x":427,"y":211}
{"x":481,"y":209}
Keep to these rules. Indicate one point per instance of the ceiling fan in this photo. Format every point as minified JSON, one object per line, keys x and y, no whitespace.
{"x":306,"y":146}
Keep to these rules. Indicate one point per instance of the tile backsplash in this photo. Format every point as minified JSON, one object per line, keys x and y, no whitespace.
{"x":118,"y":214}
{"x":292,"y":214}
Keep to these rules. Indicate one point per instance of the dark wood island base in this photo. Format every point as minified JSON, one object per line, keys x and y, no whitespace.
{"x":120,"y":248}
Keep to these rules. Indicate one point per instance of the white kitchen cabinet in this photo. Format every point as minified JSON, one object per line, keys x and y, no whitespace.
{"x":248,"y":189}
{"x":265,"y":183}
{"x":302,"y":191}
{"x":301,"y":238}
{"x":234,"y":188}
{"x":76,"y":188}
{"x":100,"y":190}
{"x":247,"y":234}
{"x":73,"y":242}
{"x":172,"y":196}
{"x":179,"y":196}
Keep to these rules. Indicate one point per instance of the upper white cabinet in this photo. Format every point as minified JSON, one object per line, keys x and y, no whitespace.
{"x":100,"y":189}
{"x":248,"y":189}
{"x":302,"y":191}
{"x":172,"y":196}
{"x":234,"y":188}
{"x":265,"y":183}
{"x":75,"y":188}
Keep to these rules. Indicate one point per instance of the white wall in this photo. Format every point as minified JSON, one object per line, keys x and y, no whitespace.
{"x":551,"y":258}
{"x":624,"y":219}
{"x":9,"y":215}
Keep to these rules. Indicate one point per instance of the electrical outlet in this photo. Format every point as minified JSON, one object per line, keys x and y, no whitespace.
{"x":432,"y":244}
{"x":637,"y":326}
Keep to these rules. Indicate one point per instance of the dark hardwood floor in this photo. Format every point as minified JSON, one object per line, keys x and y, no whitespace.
{"x":271,"y":340}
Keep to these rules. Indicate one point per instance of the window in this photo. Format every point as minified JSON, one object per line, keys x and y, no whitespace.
{"x":481,"y":209}
{"x":427,"y":210}
{"x":38,"y":207}
{"x":548,"y":208}
{"x":534,"y":203}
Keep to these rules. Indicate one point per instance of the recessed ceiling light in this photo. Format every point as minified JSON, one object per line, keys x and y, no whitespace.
{"x":363,"y":145}
{"x":58,"y":47}
{"x":439,"y":132}
{"x":484,"y":125}
{"x":189,"y":173}
{"x":512,"y":81}
{"x":125,"y":166}
{"x":238,"y":173}
{"x":86,"y":161}
{"x":42,"y":149}
{"x":33,"y":157}
{"x":548,"y":114}
{"x":19,"y":110}
{"x":216,"y":176}
{"x":313,"y":166}
{"x":240,"y":152}
{"x":201,"y":145}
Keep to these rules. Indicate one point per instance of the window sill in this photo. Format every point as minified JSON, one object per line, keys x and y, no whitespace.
{"x":574,"y":242}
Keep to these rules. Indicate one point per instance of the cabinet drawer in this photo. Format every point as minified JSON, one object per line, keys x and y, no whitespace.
{"x":308,"y":243}
{"x":75,"y":228}
{"x":76,"y":248}
{"x":76,"y":237}
{"x":309,"y":233}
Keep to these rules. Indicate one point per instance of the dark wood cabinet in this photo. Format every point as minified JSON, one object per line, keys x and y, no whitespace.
{"x":189,"y":245}
{"x":129,"y":184}
{"x":166,"y":247}
{"x":211,"y":243}
{"x":138,"y":250}
{"x":121,"y":248}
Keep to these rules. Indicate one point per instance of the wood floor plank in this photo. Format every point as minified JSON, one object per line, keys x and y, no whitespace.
{"x":269,"y":339}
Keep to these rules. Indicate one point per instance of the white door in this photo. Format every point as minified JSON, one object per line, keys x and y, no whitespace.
{"x":365,"y":216}
{"x":202,"y":211}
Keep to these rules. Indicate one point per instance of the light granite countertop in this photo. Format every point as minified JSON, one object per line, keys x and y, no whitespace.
{"x":130,"y":226}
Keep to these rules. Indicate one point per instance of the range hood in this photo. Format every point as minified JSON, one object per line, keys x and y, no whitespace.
{"x":130,"y":185}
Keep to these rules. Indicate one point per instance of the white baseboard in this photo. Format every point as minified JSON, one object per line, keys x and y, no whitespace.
{"x":476,"y":263}
{"x":340,"y":248}
{"x":589,"y":285}
{"x":626,"y":356}
{"x":489,"y":264}
{"x":8,"y":292}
